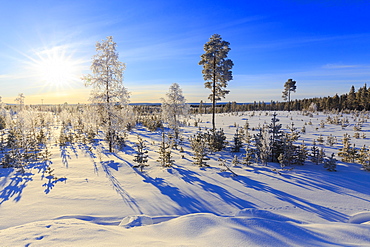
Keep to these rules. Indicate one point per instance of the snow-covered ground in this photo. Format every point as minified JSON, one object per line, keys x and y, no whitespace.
{"x":99,"y":199}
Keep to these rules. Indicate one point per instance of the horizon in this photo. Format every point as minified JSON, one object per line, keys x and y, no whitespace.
{"x":47,"y":47}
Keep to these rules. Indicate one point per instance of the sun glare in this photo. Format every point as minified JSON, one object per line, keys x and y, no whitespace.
{"x":55,"y":69}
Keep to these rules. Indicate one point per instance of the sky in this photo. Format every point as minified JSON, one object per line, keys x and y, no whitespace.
{"x":47,"y":46}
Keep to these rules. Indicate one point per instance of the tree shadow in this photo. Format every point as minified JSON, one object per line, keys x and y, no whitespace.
{"x":322,"y":211}
{"x":189,"y":202}
{"x":52,"y":181}
{"x":87,"y":150}
{"x":131,"y":202}
{"x":65,"y":155}
{"x":17,"y":182}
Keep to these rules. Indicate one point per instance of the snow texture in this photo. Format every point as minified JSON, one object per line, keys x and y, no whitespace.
{"x":100,"y":199}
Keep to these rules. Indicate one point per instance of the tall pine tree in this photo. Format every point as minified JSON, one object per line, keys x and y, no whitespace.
{"x":216,"y":70}
{"x":289,"y":86}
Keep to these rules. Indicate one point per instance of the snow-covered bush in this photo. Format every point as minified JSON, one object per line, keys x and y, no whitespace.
{"x":238,"y":141}
{"x":200,"y":149}
{"x":165,"y":156}
{"x":330,"y":163}
{"x":141,"y":156}
{"x":216,"y":140}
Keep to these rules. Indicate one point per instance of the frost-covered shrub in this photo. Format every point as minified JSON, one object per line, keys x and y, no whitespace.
{"x":165,"y":156}
{"x":238,"y":141}
{"x":200,"y":149}
{"x":141,"y":156}
{"x":216,"y":140}
{"x":330,"y":163}
{"x":331,"y":140}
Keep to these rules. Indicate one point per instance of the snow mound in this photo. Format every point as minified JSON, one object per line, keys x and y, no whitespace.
{"x":264,"y":214}
{"x":198,"y":229}
{"x":359,"y":218}
{"x":136,"y":220}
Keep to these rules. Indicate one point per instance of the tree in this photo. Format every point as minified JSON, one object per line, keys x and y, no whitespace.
{"x":238,"y":141}
{"x":200,"y":149}
{"x":141,"y":156}
{"x":276,"y":137}
{"x":216,"y":70}
{"x":165,"y":156}
{"x":20,"y":100}
{"x":289,"y":86}
{"x":173,"y":107}
{"x":108,"y":91}
{"x":330,"y":163}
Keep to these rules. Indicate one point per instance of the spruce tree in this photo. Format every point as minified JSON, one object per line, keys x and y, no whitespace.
{"x":262,"y":141}
{"x":276,"y":138}
{"x":314,"y":153}
{"x":238,"y":143}
{"x":301,"y":154}
{"x":248,"y":157}
{"x":330,"y":163}
{"x":165,"y":157}
{"x":141,"y":156}
{"x":216,"y":140}
{"x":200,"y":149}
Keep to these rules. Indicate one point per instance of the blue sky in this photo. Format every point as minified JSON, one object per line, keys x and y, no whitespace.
{"x":323,"y":45}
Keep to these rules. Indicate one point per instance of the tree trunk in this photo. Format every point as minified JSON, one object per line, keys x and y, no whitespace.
{"x":110,"y":141}
{"x":289,"y":100}
{"x":214,"y":95}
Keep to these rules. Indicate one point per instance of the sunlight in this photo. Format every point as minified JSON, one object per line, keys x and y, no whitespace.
{"x":56,"y":69}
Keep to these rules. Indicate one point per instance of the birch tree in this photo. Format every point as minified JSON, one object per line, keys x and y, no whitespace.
{"x":216,"y":70}
{"x":108,"y":91}
{"x":173,"y":107}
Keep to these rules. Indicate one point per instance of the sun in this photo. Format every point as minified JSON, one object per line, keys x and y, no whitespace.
{"x":55,"y":68}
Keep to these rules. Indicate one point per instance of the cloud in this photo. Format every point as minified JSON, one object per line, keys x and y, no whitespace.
{"x":341,"y":66}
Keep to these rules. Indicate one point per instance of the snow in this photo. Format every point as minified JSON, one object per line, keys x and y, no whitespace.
{"x":99,"y":199}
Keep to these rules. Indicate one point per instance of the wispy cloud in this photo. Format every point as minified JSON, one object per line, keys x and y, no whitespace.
{"x":303,"y":40}
{"x":342,"y":66}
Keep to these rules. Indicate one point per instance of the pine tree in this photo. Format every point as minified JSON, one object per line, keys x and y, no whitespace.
{"x":289,"y":155}
{"x":301,"y":154}
{"x":108,"y":91}
{"x":165,"y":157}
{"x":235,"y":161}
{"x":200,"y":149}
{"x":289,"y":86}
{"x":249,"y":156}
{"x":331,"y":140}
{"x":141,"y":156}
{"x":216,"y":140}
{"x":331,"y":163}
{"x":262,"y":145}
{"x":363,"y":157}
{"x":238,"y":143}
{"x":347,"y":152}
{"x":276,"y":138}
{"x":216,"y":70}
{"x":315,"y":153}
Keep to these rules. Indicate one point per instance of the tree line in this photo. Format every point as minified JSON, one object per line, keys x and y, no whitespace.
{"x":353,"y":100}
